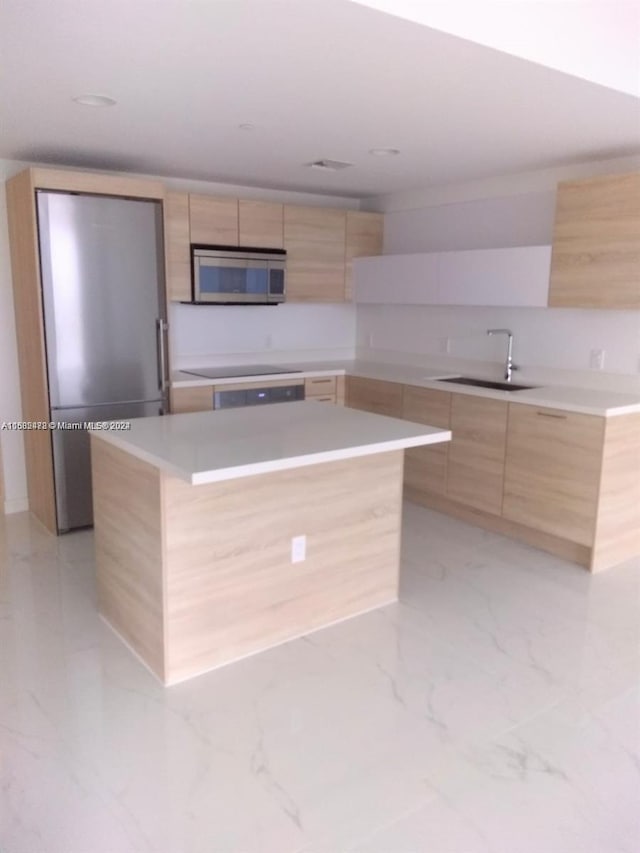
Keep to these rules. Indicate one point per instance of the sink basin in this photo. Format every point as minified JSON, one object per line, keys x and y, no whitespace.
{"x":486,"y":383}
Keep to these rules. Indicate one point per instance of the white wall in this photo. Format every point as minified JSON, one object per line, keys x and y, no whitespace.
{"x":510,"y":210}
{"x":314,"y":325}
{"x":217,"y":334}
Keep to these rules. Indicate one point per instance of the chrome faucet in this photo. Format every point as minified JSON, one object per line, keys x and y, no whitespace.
{"x":509,"y":366}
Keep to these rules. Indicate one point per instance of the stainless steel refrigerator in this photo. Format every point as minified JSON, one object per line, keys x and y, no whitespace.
{"x":102,"y":269}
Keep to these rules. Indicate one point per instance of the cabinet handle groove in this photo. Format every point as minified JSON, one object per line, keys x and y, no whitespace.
{"x":549,"y":415}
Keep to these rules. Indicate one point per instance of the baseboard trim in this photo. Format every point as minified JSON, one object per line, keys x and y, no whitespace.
{"x":16,"y":505}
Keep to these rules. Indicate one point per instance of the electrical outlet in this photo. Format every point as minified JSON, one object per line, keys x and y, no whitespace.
{"x":268,"y":342}
{"x":298,"y":549}
{"x":371,"y":340}
{"x":445,"y":345}
{"x":596,"y":359}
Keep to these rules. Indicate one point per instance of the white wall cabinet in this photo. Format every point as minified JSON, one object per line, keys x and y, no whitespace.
{"x":506,"y":277}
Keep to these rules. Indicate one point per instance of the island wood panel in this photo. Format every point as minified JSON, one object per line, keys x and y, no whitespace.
{"x":375,"y":395}
{"x":213,"y":220}
{"x":341,"y":390}
{"x":425,"y":468}
{"x":129,"y":549}
{"x":364,"y":233}
{"x":199,"y":398}
{"x":100,"y":184}
{"x":617,"y":534}
{"x":177,"y":246}
{"x":552,"y":472}
{"x":231,"y":587}
{"x":596,"y":243}
{"x":475,"y":469}
{"x":261,"y":224}
{"x":1,"y":481}
{"x":27,"y":298}
{"x":314,"y":238}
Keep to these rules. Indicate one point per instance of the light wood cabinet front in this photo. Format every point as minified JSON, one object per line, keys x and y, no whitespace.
{"x":552,"y":474}
{"x":363,"y":238}
{"x":196,"y":399}
{"x":375,"y":395}
{"x":596,"y":243}
{"x":425,"y":468}
{"x":261,"y":224}
{"x":322,"y":389}
{"x":178,"y":250}
{"x":213,"y":220}
{"x":475,"y":470}
{"x":314,"y":238}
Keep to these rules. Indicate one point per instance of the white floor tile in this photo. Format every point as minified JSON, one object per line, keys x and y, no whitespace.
{"x":494,"y":708}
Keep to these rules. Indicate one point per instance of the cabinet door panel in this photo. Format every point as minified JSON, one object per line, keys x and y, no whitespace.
{"x":552,"y":471}
{"x":196,"y":399}
{"x":374,"y":395}
{"x":314,"y":238}
{"x":176,"y":223}
{"x":364,"y":238}
{"x":475,"y":472}
{"x":516,"y":276}
{"x":213,"y":220}
{"x":261,"y":224}
{"x":425,"y":468}
{"x":596,"y":243}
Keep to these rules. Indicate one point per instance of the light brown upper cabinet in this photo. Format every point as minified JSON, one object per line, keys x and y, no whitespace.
{"x":261,"y":224}
{"x":176,"y":229}
{"x":375,"y":395}
{"x":425,"y":468}
{"x":596,"y":244}
{"x":314,"y":238}
{"x":475,"y":470}
{"x":552,"y":473}
{"x":214,"y":220}
{"x":364,"y":238}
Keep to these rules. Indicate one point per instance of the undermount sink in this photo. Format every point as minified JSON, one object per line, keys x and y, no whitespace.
{"x":487,"y":383}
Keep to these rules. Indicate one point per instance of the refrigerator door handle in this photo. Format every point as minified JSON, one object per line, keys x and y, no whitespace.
{"x":161,"y":330}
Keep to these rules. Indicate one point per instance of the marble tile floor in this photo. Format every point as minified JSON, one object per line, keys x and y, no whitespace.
{"x":494,"y":709}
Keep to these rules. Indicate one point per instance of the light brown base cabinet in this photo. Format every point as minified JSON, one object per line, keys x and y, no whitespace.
{"x":564,"y":482}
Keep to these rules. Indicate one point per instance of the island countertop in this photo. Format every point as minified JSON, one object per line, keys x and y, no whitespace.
{"x":209,"y":447}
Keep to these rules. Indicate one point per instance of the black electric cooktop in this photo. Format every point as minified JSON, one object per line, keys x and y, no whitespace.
{"x":238,"y":370}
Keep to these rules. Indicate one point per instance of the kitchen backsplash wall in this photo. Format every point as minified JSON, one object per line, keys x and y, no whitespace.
{"x":214,"y":334}
{"x":549,"y":344}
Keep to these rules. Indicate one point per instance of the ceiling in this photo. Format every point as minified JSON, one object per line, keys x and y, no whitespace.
{"x":315,"y":78}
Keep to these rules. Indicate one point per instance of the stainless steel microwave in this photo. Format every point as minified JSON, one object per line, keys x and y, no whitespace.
{"x":231,"y":276}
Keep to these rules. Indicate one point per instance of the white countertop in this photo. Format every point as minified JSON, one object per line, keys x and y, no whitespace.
{"x":583,"y":400}
{"x":208,"y":447}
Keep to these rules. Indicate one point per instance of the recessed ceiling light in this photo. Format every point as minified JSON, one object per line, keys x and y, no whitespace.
{"x":384,"y":152}
{"x":95,"y":100}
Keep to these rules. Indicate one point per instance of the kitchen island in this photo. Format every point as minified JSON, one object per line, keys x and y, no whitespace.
{"x":220,"y":534}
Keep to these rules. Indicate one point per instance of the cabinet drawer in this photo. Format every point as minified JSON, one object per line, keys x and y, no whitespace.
{"x":320,"y":385}
{"x":552,"y":471}
{"x":327,"y":398}
{"x":375,"y":395}
{"x":197,"y":399}
{"x":475,"y":470}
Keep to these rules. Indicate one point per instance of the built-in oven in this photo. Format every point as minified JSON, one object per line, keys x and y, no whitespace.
{"x":232,"y":276}
{"x":236,"y":397}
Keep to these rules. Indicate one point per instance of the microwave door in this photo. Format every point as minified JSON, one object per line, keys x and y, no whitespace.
{"x":257,"y":280}
{"x":221,"y":280}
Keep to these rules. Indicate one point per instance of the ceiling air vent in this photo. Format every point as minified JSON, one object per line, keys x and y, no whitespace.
{"x":329,"y":165}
